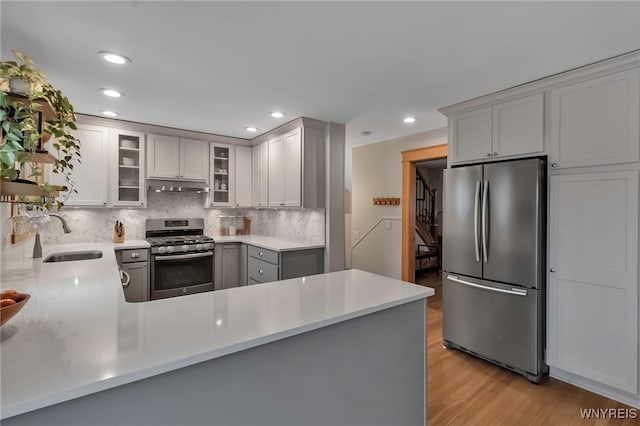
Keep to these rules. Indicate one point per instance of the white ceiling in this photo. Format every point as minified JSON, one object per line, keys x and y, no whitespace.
{"x":218,"y":67}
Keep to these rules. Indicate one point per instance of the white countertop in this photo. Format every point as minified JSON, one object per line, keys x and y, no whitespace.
{"x":131,"y":244}
{"x":77,"y":335}
{"x":266,"y":242}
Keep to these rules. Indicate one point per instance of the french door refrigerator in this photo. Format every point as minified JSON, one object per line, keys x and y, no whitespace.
{"x":494,"y":263}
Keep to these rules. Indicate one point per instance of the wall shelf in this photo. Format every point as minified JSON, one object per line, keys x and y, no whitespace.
{"x":42,"y":157}
{"x":10,"y":190}
{"x":48,"y":113}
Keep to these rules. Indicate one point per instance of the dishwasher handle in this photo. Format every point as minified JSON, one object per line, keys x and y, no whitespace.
{"x":125,"y":278}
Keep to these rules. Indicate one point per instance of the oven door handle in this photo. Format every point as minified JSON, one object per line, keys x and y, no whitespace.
{"x":184,"y":256}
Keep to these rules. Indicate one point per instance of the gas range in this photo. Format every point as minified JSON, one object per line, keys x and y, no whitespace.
{"x":168,"y":236}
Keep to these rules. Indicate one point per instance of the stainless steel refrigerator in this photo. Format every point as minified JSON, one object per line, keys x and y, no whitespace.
{"x":494,"y":263}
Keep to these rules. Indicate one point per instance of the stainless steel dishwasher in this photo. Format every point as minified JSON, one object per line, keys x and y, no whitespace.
{"x":134,"y":267}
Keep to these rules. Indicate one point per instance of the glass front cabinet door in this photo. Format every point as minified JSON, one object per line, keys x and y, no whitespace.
{"x":222,"y":191}
{"x":128,"y":183}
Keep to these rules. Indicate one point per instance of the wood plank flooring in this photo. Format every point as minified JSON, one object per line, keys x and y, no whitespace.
{"x":465,"y":390}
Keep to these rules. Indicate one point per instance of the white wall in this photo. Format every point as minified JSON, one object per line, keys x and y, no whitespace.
{"x":377,"y":172}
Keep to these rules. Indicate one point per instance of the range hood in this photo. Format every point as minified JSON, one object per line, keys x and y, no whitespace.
{"x":159,"y":185}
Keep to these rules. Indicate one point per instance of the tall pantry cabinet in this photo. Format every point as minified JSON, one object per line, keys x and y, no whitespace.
{"x":593,"y":229}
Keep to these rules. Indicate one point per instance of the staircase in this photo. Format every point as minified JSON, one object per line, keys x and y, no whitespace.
{"x":425,"y":210}
{"x":426,"y":223}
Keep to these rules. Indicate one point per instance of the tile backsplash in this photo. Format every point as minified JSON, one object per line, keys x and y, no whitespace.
{"x":300,"y":225}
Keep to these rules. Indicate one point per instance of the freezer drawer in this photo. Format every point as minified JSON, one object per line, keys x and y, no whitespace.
{"x":495,"y":321}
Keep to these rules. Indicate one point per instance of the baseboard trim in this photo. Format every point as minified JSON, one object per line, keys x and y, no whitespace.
{"x":595,"y":387}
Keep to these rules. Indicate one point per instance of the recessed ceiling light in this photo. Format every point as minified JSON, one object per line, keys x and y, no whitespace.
{"x":110,"y":113}
{"x":277,"y":114}
{"x":111,"y":93}
{"x":251,"y":129}
{"x":409,"y":120}
{"x":114,"y":58}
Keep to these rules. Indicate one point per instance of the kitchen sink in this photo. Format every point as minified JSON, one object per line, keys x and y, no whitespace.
{"x":73,"y":255}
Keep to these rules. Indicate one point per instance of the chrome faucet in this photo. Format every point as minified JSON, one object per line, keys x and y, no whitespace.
{"x":65,"y":226}
{"x":37,"y":247}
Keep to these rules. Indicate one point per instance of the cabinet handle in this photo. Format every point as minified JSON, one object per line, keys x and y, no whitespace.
{"x":104,"y":204}
{"x":260,"y":271}
{"x":495,"y":154}
{"x":260,"y":253}
{"x":488,"y":154}
{"x":282,"y":204}
{"x":552,"y":269}
{"x":554,"y":165}
{"x":135,"y":255}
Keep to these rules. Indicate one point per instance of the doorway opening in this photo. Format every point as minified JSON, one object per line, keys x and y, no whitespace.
{"x":420,"y":208}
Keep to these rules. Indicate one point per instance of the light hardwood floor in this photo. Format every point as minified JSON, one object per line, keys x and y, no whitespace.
{"x":464,"y":390}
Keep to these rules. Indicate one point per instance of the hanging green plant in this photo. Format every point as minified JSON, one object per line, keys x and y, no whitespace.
{"x":31,"y":111}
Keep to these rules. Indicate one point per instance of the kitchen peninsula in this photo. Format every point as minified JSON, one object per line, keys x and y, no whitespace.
{"x":339,"y":348}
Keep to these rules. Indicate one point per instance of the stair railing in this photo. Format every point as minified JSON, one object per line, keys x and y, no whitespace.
{"x":425,"y":203}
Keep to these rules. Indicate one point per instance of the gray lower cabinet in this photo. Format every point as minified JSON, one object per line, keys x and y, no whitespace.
{"x":227,"y":266}
{"x":265,"y":265}
{"x":138,"y":288}
{"x":262,"y":271}
{"x":301,"y":263}
{"x":135,"y":263}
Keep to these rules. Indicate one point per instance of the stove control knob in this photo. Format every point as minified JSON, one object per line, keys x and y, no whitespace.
{"x":169,"y":249}
{"x":162,"y":250}
{"x":185,"y":248}
{"x":207,"y":246}
{"x":199,"y":247}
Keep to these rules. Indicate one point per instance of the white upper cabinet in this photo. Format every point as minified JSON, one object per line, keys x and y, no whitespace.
{"x":593,"y":278}
{"x":507,"y":129}
{"x":277,"y":172}
{"x":293,"y":168}
{"x":260,"y":174}
{"x":243,"y":176}
{"x":194,"y":159}
{"x":289,"y":166}
{"x":518,"y":126}
{"x":128,"y":168}
{"x":595,"y":122}
{"x":90,"y":176}
{"x":177,"y":158}
{"x":163,"y":153}
{"x":471,"y":135}
{"x":222,"y":193}
{"x":285,"y":166}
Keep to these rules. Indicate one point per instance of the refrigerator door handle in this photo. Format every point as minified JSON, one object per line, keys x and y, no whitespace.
{"x":476,"y":211}
{"x":485,"y":193}
{"x":513,"y":291}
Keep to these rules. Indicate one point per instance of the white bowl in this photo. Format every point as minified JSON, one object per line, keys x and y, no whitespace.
{"x":127,"y":161}
{"x":128,"y":143}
